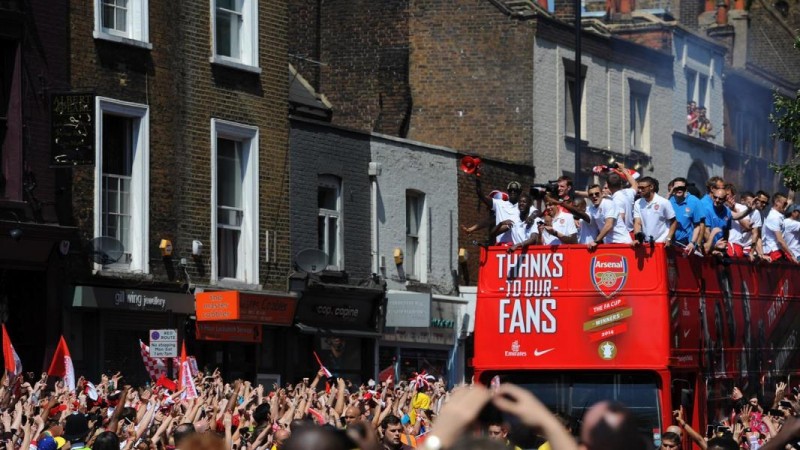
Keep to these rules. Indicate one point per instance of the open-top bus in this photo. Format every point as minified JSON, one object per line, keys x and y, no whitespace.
{"x":646,"y":327}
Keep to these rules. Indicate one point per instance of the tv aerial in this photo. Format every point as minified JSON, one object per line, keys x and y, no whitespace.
{"x":105,"y":250}
{"x":311,"y":260}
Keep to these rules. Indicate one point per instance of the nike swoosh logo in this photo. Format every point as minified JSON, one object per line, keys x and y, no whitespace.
{"x":536,"y":352}
{"x":686,"y":333}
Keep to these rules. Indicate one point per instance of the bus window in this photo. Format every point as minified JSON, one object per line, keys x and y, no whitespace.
{"x":572,"y":393}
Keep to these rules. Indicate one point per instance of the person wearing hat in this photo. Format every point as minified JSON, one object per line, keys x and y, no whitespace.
{"x":76,"y":430}
{"x":791,"y":230}
{"x":504,"y":210}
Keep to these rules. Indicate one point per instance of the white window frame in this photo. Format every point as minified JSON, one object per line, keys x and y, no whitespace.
{"x":138,"y":32}
{"x":248,"y":135}
{"x":248,"y":45}
{"x":416,"y":265}
{"x":639,"y":90}
{"x":697,"y":76}
{"x":140,"y":182}
{"x":332,"y":181}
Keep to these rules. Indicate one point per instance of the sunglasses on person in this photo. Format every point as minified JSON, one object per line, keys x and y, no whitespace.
{"x":679,"y":189}
{"x":594,"y":194}
{"x":645,"y":186}
{"x":722,"y":199}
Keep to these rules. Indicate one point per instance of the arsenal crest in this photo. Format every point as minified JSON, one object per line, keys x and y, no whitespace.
{"x":609,"y":273}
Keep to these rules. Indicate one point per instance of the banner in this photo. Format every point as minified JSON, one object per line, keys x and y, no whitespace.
{"x":565,"y":307}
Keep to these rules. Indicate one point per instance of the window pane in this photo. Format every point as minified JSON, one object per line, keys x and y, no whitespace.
{"x":223,"y":34}
{"x":227,"y":252}
{"x":227,"y":4}
{"x":690,"y":85}
{"x":117,"y":145}
{"x":322,"y":233}
{"x":108,"y":16}
{"x":569,"y":117}
{"x":333,"y":244}
{"x":701,"y":96}
{"x":229,"y":173}
{"x":122,"y":22}
{"x":412,"y":215}
{"x":326,"y":198}
{"x":410,"y":260}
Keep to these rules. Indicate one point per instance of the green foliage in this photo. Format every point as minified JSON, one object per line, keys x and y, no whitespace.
{"x":786,"y":119}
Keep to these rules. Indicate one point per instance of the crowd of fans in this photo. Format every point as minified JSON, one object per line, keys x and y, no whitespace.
{"x":627,"y":209}
{"x":322,"y":414}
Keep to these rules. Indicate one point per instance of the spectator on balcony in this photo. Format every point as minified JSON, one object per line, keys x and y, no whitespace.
{"x":704,"y":127}
{"x":691,"y":118}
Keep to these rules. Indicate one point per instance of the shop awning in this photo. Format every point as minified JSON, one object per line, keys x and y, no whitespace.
{"x":336,"y":332}
{"x":122,"y":299}
{"x":340,"y":307}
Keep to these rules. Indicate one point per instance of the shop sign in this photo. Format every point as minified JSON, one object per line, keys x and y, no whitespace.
{"x":228,"y":331}
{"x":266,"y":309}
{"x":132,"y":299}
{"x":340,"y":308}
{"x":164,"y":343}
{"x":420,"y":336}
{"x":408,"y":309}
{"x":217,"y":305}
{"x":72,"y":123}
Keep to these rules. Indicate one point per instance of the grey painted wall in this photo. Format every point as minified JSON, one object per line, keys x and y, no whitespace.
{"x":317,"y":149}
{"x":431,"y":170}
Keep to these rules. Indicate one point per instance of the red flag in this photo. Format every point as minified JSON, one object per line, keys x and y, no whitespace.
{"x":12,"y":362}
{"x":61,"y":366}
{"x":167,"y":383}
{"x":324,"y":369}
{"x":185,"y":376}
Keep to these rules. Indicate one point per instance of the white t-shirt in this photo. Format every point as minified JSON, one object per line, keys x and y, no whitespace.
{"x":791,"y":234}
{"x":505,"y":210}
{"x":755,"y":222}
{"x":585,"y":234}
{"x":735,"y":234}
{"x":564,"y":224}
{"x":773,"y":224}
{"x":655,"y":216}
{"x":521,"y":232}
{"x":608,"y":210}
{"x":624,"y":199}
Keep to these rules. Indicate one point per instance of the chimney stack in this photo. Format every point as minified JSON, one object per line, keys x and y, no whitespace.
{"x":722,"y":12}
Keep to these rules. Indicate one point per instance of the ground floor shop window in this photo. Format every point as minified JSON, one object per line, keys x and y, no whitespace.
{"x":407,"y":361}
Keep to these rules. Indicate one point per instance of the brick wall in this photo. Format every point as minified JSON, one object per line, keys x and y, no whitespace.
{"x":184,"y":92}
{"x":315,"y":150}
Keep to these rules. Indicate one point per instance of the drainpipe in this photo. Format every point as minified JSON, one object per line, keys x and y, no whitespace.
{"x":374,"y":172}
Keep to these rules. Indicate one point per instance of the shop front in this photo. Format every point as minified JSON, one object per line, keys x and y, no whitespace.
{"x":243,"y":333}
{"x":423,"y":332}
{"x":107,"y":323}
{"x":340,"y":323}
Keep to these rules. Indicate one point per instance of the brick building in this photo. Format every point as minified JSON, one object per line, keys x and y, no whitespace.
{"x":36,"y":236}
{"x":191,"y":141}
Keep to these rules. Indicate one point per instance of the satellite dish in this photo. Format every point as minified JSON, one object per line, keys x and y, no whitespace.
{"x":105,"y":250}
{"x":311,"y":260}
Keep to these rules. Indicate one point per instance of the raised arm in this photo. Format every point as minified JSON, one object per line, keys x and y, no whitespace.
{"x":479,"y":192}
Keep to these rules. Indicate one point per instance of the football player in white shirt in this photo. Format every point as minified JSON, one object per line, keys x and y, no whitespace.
{"x":791,"y":230}
{"x":606,"y":220}
{"x":623,"y":197}
{"x":773,"y":243}
{"x":561,"y":229}
{"x":503,"y":210}
{"x":653,"y":215}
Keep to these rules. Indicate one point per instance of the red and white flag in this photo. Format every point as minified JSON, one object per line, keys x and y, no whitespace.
{"x":12,"y":362}
{"x":156,"y":367}
{"x":61,"y":366}
{"x":185,"y":377}
{"x":328,"y":373}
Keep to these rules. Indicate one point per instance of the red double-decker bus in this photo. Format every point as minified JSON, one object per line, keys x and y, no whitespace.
{"x":646,"y":327}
